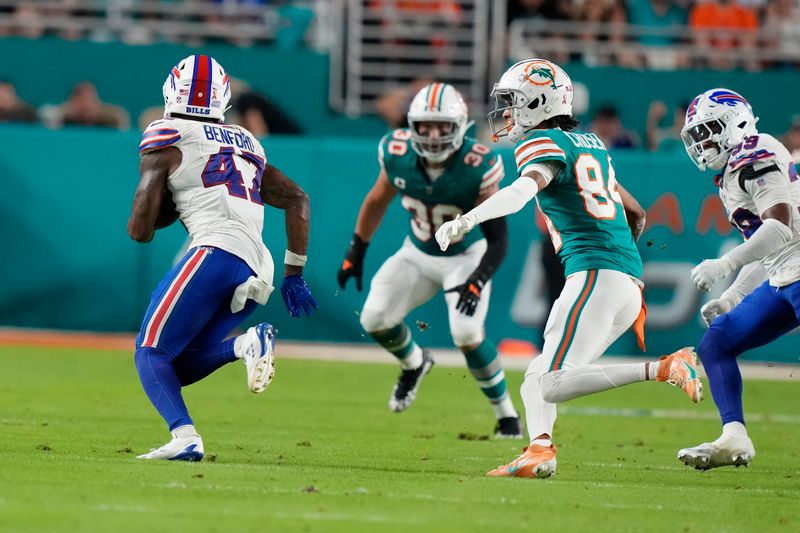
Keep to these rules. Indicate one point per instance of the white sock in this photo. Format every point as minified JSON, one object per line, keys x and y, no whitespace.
{"x":540,"y":416}
{"x":184,"y":431}
{"x":237,"y":346}
{"x":652,"y":370}
{"x":414,"y":359}
{"x":570,"y":383}
{"x":542,"y":442}
{"x":504,"y":408}
{"x":736,"y":429}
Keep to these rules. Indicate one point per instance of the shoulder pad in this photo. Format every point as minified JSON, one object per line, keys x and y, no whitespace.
{"x":754,"y":149}
{"x":394,"y":144}
{"x":540,"y":145}
{"x":159,"y":135}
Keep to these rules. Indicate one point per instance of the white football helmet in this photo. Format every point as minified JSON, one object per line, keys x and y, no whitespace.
{"x":197,"y":86}
{"x":529,"y":93}
{"x":716,"y":122}
{"x":438,"y":102}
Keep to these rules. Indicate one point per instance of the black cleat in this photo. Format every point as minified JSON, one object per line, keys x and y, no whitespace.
{"x":509,"y":427}
{"x":405,"y":390}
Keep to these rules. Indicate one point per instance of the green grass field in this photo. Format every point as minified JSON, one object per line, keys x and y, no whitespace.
{"x":320,"y":451}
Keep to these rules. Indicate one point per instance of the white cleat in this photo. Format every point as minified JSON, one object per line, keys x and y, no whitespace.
{"x":728,"y":450}
{"x":178,"y":449}
{"x":258,"y":352}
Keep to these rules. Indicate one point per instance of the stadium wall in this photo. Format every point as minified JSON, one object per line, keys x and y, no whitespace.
{"x":68,"y":262}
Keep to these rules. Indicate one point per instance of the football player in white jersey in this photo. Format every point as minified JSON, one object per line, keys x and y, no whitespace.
{"x":759,"y":186}
{"x":216,"y":179}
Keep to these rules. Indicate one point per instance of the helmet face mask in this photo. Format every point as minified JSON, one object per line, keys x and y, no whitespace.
{"x":437,"y":119}
{"x":716,"y":122}
{"x":197,"y":87}
{"x":529,"y":93}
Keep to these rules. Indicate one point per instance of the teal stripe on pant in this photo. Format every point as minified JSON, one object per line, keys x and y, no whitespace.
{"x":396,"y":340}
{"x":484,"y":364}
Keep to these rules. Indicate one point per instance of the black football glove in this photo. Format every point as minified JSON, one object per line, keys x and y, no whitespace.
{"x":469,"y":293}
{"x":353,"y":264}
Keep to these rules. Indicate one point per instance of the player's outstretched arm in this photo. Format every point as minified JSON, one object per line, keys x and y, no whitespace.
{"x":146,"y":216}
{"x":372,"y":211}
{"x":750,"y":277}
{"x":506,"y":201}
{"x":496,"y":233}
{"x":634,"y":212}
{"x":279,"y":191}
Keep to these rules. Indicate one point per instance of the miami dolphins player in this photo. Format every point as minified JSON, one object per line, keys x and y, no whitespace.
{"x":439,"y":174}
{"x":594,"y":223}
{"x":759,"y":186}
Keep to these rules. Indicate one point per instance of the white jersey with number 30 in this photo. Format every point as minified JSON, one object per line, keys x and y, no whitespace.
{"x":746,"y":198}
{"x":216,"y":186}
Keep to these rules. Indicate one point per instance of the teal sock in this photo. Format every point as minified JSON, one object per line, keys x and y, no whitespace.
{"x":484,"y":364}
{"x":399,"y":342}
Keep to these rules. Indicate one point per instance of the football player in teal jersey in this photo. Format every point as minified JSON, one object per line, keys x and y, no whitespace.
{"x":439,"y":174}
{"x":594,"y":224}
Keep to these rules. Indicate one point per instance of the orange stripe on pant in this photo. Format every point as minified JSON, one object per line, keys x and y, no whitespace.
{"x":572,"y":320}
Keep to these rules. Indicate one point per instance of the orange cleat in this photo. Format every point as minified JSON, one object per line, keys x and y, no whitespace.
{"x":536,"y":461}
{"x":680,"y":369}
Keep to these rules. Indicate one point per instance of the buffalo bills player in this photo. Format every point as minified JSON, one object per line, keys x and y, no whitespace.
{"x":218,"y":178}
{"x":759,"y":186}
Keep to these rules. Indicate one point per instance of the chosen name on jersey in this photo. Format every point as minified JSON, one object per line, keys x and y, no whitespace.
{"x":225,"y":136}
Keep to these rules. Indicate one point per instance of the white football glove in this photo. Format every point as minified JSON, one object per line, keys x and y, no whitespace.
{"x":453,"y":229}
{"x":715,"y":308}
{"x":710,"y":271}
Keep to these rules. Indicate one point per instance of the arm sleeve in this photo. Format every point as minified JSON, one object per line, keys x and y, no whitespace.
{"x":504,"y":202}
{"x":496,"y":233}
{"x":750,"y":277}
{"x":158,"y":136}
{"x":769,"y":238}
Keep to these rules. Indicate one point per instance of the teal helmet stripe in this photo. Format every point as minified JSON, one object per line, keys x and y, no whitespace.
{"x":441,"y":93}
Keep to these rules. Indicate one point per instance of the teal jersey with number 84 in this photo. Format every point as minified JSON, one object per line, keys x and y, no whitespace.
{"x":581,"y":206}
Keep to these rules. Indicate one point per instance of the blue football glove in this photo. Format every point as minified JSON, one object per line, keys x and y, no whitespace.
{"x":297,"y":296}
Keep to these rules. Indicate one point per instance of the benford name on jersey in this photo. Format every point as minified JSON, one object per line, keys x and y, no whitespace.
{"x":225,"y":136}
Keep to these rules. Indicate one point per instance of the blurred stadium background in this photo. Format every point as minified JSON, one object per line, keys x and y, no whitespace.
{"x":321,"y":81}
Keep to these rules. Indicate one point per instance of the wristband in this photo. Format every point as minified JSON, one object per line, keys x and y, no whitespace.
{"x":292,"y":259}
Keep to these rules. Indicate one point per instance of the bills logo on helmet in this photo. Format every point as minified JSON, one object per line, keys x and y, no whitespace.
{"x":728,"y":98}
{"x":692,"y":110}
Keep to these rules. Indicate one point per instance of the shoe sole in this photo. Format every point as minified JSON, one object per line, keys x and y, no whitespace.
{"x":704,"y":462}
{"x":264,"y":371}
{"x":399,"y":407}
{"x":191,"y":457}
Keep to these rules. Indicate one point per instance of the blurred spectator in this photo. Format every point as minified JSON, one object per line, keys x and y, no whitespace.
{"x":84,"y":108}
{"x":393,"y":105}
{"x":12,"y":109}
{"x":725,"y":25}
{"x":658,"y":15}
{"x":608,"y":127}
{"x":613,"y":13}
{"x":546,"y":9}
{"x":258,"y":114}
{"x":791,"y":139}
{"x":668,"y":138}
{"x":782,"y":24}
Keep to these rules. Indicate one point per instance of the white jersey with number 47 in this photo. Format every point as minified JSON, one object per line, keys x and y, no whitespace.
{"x":216,"y":186}
{"x":760,"y":174}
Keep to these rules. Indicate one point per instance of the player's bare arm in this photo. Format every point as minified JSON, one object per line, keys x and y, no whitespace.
{"x":374,"y":207}
{"x":634,"y":212}
{"x":372,"y":211}
{"x":279,"y":191}
{"x":154,"y":168}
